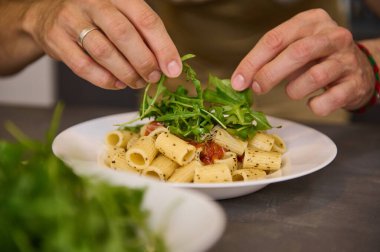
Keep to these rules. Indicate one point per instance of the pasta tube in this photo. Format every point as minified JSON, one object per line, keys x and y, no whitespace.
{"x":215,"y":173}
{"x":117,"y":160}
{"x":175,"y":148}
{"x":263,"y":160}
{"x":227,"y":141}
{"x":230,"y":159}
{"x":161,"y":168}
{"x":119,"y":138}
{"x":132,"y":141}
{"x":158,"y":131}
{"x":154,"y":133}
{"x":141,"y":153}
{"x":279,"y":144}
{"x":262,"y":141}
{"x":185,"y":173}
{"x":248,"y":174}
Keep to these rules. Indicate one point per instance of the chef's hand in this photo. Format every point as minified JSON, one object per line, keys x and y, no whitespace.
{"x":129,"y":46}
{"x":311,"y":52}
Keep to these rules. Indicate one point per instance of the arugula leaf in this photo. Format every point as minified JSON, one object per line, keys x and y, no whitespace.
{"x":193,"y":117}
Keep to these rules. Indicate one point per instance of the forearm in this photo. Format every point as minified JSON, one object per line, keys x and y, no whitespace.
{"x":17,"y":47}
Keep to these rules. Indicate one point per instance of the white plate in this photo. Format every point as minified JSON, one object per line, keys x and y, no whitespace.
{"x":308,"y":150}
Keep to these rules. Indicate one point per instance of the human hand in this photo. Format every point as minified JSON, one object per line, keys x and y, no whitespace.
{"x":131,"y":46}
{"x":311,"y":52}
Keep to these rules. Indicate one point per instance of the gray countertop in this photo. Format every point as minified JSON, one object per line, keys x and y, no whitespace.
{"x":334,"y":209}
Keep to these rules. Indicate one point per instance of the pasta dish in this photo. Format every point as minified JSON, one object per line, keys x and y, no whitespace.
{"x":212,"y":137}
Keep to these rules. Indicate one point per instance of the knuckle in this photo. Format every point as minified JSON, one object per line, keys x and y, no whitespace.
{"x":147,"y":65}
{"x":63,"y":15}
{"x":339,"y":99}
{"x":248,"y":64}
{"x":148,"y":19}
{"x":129,"y":77}
{"x":107,"y":81}
{"x":49,"y":37}
{"x":118,"y":28}
{"x":319,"y":14}
{"x":166,"y":50}
{"x":319,"y":111}
{"x":301,"y":51}
{"x":266,"y":78}
{"x":351,"y":61}
{"x":80,"y":66}
{"x":344,"y":36}
{"x":102,"y":50}
{"x":273,"y":40}
{"x":318,"y":107}
{"x":319,"y":77}
{"x":291,"y":92}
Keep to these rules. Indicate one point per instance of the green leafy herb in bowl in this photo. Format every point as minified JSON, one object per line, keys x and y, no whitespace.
{"x":44,"y":206}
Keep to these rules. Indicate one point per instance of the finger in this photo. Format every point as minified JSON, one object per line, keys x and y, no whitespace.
{"x":273,"y":42}
{"x":105,"y":53}
{"x":151,"y":27}
{"x":291,"y":59}
{"x":126,"y":38}
{"x":84,"y":66}
{"x":334,"y":98}
{"x":317,"y":77}
{"x":72,"y":21}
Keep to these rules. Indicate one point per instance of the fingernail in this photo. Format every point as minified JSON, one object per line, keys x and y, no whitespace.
{"x":238,"y":82}
{"x":174,"y":69}
{"x":154,"y":76}
{"x":120,"y":85}
{"x":256,"y":87}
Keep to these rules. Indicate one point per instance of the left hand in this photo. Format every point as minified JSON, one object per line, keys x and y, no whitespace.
{"x":311,"y":52}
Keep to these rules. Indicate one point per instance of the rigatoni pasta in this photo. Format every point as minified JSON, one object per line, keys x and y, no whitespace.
{"x":186,"y":173}
{"x":215,"y":173}
{"x":230,"y":159}
{"x":262,"y":141}
{"x":119,"y":138}
{"x":221,"y":158}
{"x":161,"y":168}
{"x":175,"y":148}
{"x":263,"y":160}
{"x":226,"y":140}
{"x":247,"y":174}
{"x":141,"y":153}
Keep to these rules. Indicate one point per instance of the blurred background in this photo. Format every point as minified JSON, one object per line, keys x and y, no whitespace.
{"x":46,"y":81}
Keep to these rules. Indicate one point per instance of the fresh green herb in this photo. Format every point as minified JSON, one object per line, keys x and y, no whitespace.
{"x":44,"y":206}
{"x":193,"y":117}
{"x":134,"y":128}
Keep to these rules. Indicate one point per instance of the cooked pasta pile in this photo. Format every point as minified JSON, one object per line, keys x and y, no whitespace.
{"x":156,"y":152}
{"x":211,"y":137}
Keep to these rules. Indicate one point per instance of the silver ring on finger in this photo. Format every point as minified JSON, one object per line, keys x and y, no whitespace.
{"x":84,"y":33}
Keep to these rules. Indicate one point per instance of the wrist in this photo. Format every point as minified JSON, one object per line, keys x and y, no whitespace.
{"x":18,"y":47}
{"x":29,"y":19}
{"x":375,"y":96}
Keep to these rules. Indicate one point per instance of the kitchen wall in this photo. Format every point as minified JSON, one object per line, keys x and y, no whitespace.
{"x":34,"y":86}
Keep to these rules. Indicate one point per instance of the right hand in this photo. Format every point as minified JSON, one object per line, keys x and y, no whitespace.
{"x":131,"y":46}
